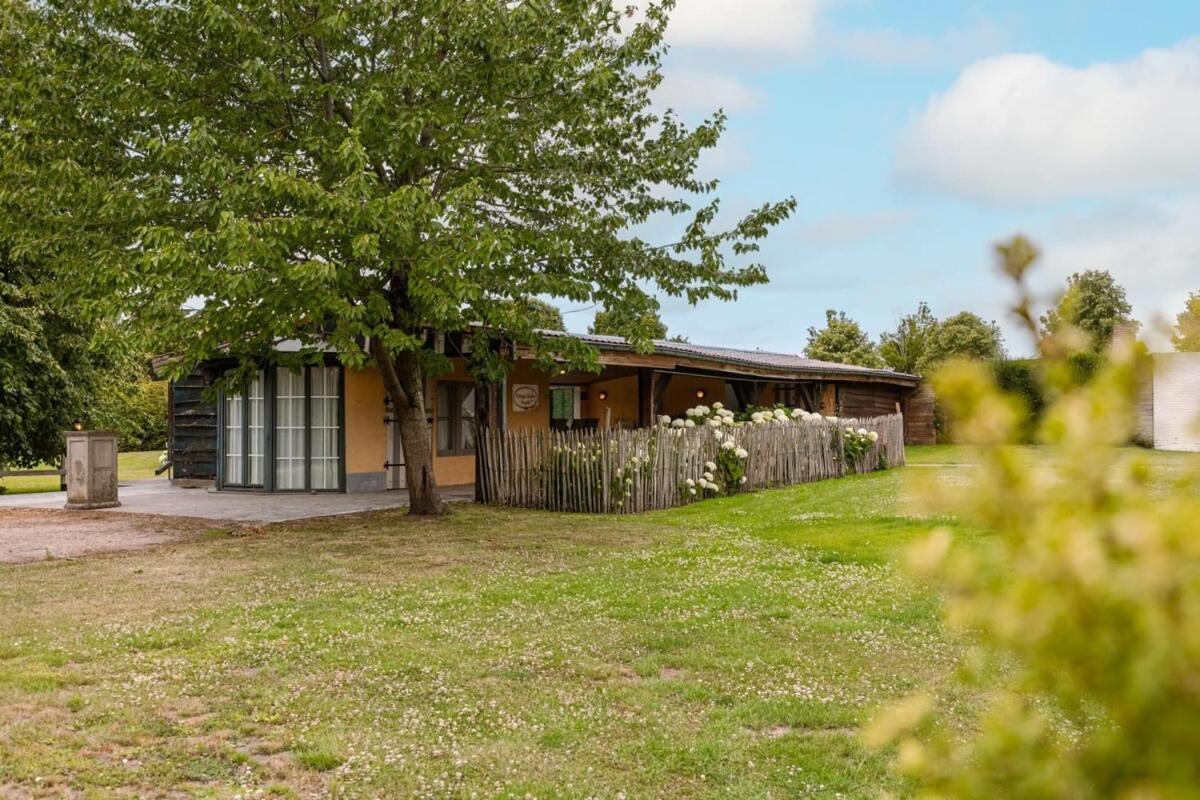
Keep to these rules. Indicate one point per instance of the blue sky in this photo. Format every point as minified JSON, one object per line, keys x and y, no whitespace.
{"x":915,"y":135}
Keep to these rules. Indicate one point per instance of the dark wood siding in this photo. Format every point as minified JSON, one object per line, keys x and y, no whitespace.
{"x":193,"y":442}
{"x":918,"y":417}
{"x":867,"y":399}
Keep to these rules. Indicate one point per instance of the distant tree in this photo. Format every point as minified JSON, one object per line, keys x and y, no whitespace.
{"x":904,"y":348}
{"x":1186,"y":336}
{"x":542,"y":315}
{"x":1095,"y":303}
{"x":643,"y":322}
{"x":842,"y":340}
{"x":964,"y":335}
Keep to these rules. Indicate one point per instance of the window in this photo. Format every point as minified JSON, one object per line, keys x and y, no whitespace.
{"x":455,"y":419}
{"x":284,"y":432}
{"x":564,"y":402}
{"x":244,"y":443}
{"x":788,"y":394}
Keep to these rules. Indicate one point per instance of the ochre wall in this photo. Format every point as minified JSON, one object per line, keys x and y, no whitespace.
{"x":366,"y":432}
{"x":449,"y":470}
{"x":621,"y":403}
{"x":681,"y":393}
{"x":523,"y":372}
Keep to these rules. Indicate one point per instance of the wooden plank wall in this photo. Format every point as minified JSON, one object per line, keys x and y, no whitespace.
{"x":628,"y":471}
{"x":918,"y":416}
{"x":193,"y":442}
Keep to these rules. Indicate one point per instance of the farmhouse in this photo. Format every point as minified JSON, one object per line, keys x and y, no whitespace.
{"x":328,"y":428}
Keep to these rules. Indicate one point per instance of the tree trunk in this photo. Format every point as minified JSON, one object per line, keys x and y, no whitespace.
{"x":404,"y":382}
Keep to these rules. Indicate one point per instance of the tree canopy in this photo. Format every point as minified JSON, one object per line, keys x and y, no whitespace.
{"x":904,"y":348}
{"x":1095,"y":304}
{"x":1186,"y":336}
{"x":542,"y":315}
{"x":642,"y":323}
{"x":964,"y":335}
{"x":353,"y":175}
{"x":842,"y":340}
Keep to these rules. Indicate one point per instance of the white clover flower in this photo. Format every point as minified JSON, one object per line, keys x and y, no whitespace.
{"x":740,"y":453}
{"x":728,"y":444}
{"x":691,"y":423}
{"x":677,"y":423}
{"x":874,"y":437}
{"x":710,"y":466}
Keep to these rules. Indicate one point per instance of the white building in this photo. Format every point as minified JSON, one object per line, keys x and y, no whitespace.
{"x":1171,"y":408}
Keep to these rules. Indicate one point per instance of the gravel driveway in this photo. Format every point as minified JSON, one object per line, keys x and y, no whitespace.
{"x":36,"y":535}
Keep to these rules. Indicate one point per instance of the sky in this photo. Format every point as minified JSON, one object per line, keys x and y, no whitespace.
{"x":916,"y":135}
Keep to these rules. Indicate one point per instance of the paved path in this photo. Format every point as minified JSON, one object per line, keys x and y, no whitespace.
{"x":161,"y":498}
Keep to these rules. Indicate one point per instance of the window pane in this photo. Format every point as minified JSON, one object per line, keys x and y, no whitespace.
{"x":445,"y":399}
{"x":256,"y":403}
{"x":468,"y":436}
{"x":289,"y":429}
{"x":445,"y":441}
{"x":467,"y":406}
{"x":233,"y":439}
{"x":323,"y":438}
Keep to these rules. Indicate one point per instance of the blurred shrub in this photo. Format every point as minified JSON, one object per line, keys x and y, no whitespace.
{"x":1083,"y":619}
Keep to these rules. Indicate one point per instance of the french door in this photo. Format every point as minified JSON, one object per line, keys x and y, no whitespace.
{"x":284,"y":432}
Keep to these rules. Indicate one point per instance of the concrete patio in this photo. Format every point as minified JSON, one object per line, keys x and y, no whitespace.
{"x":160,"y":498}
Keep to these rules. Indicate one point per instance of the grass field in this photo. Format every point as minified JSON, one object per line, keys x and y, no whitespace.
{"x":130,"y":467}
{"x":727,"y":649}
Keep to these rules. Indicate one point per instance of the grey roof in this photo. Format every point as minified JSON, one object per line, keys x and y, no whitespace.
{"x":761,"y":359}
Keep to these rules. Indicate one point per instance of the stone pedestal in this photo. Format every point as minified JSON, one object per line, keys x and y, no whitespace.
{"x":91,"y":469}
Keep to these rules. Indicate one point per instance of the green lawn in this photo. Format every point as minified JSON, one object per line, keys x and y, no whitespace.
{"x":130,"y":467}
{"x":728,"y":649}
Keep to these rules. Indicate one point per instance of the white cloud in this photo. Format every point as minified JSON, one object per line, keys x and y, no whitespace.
{"x":891,"y":47}
{"x":1152,"y":249}
{"x":840,"y":229}
{"x":689,"y":90}
{"x":1023,"y":128}
{"x":755,"y":27}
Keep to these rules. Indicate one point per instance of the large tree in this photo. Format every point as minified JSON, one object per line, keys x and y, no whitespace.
{"x":1186,"y":336}
{"x":842,"y":340}
{"x":963,"y":335}
{"x":637,"y":323}
{"x":1094,"y":303}
{"x":355,"y":175}
{"x":904,"y":348}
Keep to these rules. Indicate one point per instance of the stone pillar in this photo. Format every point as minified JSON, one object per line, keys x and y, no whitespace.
{"x":91,"y":469}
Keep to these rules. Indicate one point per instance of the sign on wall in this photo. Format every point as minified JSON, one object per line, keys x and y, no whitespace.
{"x":525,"y":396}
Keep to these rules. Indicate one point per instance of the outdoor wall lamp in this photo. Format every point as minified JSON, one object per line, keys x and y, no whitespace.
{"x":699,"y":394}
{"x":603,"y":395}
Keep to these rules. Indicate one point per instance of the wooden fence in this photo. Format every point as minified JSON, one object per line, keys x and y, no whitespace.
{"x":628,"y":471}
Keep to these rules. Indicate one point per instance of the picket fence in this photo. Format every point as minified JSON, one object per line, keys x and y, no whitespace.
{"x":629,"y":471}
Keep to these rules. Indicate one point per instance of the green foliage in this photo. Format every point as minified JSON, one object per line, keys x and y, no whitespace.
{"x":1083,"y":616}
{"x":315,"y":171}
{"x":904,"y":348}
{"x":842,"y":340}
{"x":134,"y":408}
{"x":1094,"y":304}
{"x":544,"y":316}
{"x":633,"y":322}
{"x":1186,"y":336}
{"x":964,"y":335}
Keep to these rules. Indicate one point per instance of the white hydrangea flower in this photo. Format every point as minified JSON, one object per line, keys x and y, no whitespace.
{"x":664,"y":419}
{"x":710,"y":466}
{"x":779,"y":414}
{"x":677,"y":423}
{"x":740,"y":453}
{"x":718,"y":435}
{"x":756,"y":416}
{"x":714,"y":423}
{"x":815,"y":417}
{"x":873,"y":436}
{"x":708,"y":476}
{"x":690,"y":482}
{"x":743,"y":480}
{"x":862,"y":431}
{"x":691,"y":491}
{"x":691,"y":423}
{"x":728,"y":444}
{"x":718,"y":405}
{"x":797,"y":413}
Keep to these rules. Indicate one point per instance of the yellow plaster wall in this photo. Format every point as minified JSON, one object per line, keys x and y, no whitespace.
{"x":523,"y":372}
{"x":622,"y":402}
{"x":681,"y":393}
{"x":366,"y":432}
